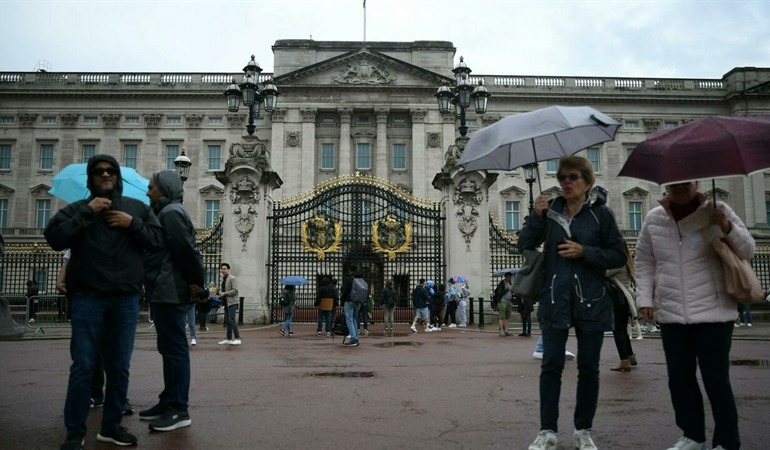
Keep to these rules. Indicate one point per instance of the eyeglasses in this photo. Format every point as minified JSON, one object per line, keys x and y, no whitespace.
{"x":111,"y":171}
{"x":571,"y":177}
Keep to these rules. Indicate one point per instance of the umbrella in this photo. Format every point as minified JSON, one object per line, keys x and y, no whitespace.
{"x":539,"y":135}
{"x":717,"y":146}
{"x":70,"y":184}
{"x":502,"y":272}
{"x":460,"y":279}
{"x":294,"y":280}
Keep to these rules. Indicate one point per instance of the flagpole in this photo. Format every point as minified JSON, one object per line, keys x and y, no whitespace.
{"x":364,"y":20}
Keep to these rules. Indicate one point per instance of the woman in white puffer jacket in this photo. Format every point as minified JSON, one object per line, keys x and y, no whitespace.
{"x":680,"y":282}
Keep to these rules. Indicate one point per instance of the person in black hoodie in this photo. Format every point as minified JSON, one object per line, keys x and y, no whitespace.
{"x":173,"y":275}
{"x":108,"y":235}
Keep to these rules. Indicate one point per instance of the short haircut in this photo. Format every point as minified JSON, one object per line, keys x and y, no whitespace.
{"x":422,"y":280}
{"x":580,"y":163}
{"x":224,"y":265}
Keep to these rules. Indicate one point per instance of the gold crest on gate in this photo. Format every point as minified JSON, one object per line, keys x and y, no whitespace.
{"x":321,"y":235}
{"x":391,"y":236}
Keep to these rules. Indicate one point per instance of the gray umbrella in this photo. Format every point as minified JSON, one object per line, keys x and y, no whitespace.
{"x":539,"y":135}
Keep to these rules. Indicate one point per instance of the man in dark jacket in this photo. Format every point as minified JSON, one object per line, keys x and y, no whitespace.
{"x":173,"y":274}
{"x":108,"y":235}
{"x":421,"y":301}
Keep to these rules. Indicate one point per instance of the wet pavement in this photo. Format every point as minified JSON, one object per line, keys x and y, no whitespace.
{"x":454,"y":389}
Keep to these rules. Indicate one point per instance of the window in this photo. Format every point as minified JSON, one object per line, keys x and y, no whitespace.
{"x":470,"y":123}
{"x":89,"y":150}
{"x":631,"y":124}
{"x":592,"y":154}
{"x":363,"y":119}
{"x":129,"y":155}
{"x":91,"y":120}
{"x":552,"y":165}
{"x":215,"y":121}
{"x":172,"y":151}
{"x":327,"y":156}
{"x":399,"y":156}
{"x":629,"y":150}
{"x":215,"y":156}
{"x":43,"y":212}
{"x":5,"y":156}
{"x":46,"y":156}
{"x":49,"y":120}
{"x":669,"y":125}
{"x":635,"y":216}
{"x":212,"y":213}
{"x":3,"y":213}
{"x":132,"y":121}
{"x":363,"y":156}
{"x":512,"y":215}
{"x":173,"y":121}
{"x":7,"y":119}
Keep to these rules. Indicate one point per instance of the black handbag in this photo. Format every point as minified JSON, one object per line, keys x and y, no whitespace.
{"x":529,"y":278}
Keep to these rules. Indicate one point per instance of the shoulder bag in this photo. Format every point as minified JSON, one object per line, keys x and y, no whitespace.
{"x":528,"y":280}
{"x":740,"y":280}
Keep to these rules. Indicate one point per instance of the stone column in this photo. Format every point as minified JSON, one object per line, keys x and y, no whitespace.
{"x":345,"y":156}
{"x":309,"y":168}
{"x":420,"y":161}
{"x":249,"y":182}
{"x":381,"y":166}
{"x":277,"y":119}
{"x":466,"y":244}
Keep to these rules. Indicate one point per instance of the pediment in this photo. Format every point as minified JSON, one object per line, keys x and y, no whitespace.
{"x":636,"y":193}
{"x":40,"y":189}
{"x":552,"y":192}
{"x":721,"y":194}
{"x":211,"y":191}
{"x":513,"y":191}
{"x":5,"y":190}
{"x":362,"y":68}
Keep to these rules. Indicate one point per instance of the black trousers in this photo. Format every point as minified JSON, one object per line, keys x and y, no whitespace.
{"x":620,"y":332}
{"x":705,"y":346}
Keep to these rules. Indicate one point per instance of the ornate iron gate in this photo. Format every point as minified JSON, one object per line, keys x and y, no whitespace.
{"x":502,"y":250}
{"x":355,"y":220}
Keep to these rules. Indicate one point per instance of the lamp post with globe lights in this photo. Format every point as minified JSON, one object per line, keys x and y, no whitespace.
{"x":462,"y":95}
{"x":183,"y":163}
{"x":251,"y":95}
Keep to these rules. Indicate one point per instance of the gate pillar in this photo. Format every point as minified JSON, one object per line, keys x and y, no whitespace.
{"x":466,"y":203}
{"x":249,"y":182}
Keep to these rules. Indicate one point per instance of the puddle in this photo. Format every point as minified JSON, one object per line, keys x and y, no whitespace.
{"x":342,"y":374}
{"x":749,"y":362}
{"x":398,"y":344}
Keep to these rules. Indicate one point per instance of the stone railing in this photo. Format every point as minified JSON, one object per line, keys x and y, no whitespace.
{"x":498,"y":82}
{"x":132,"y":79}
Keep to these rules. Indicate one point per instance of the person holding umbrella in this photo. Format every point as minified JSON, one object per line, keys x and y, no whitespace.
{"x":680,"y":284}
{"x":581,"y":240}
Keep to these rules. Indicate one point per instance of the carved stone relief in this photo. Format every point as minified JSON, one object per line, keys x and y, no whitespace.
{"x":364,"y":72}
{"x":364,"y":133}
{"x":236,"y":120}
{"x":109,"y":120}
{"x":418,"y":115}
{"x":244,"y":197}
{"x":308,"y":114}
{"x":293,"y":138}
{"x":434,"y":140}
{"x":487,"y":120}
{"x":448,"y":117}
{"x":279,"y":115}
{"x":27,"y":119}
{"x":651,"y":125}
{"x":345,"y":114}
{"x":152,"y":120}
{"x":69,"y":120}
{"x":382,"y":115}
{"x":194,"y":120}
{"x":467,"y":198}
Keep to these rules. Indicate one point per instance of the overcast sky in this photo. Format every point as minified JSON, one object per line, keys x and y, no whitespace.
{"x":688,"y":39}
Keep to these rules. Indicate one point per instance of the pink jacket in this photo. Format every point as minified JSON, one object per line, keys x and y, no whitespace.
{"x":680,"y":275}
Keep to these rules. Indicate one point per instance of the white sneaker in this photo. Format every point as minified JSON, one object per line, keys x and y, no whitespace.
{"x":452,"y":325}
{"x":685,"y":443}
{"x":413,"y":328}
{"x":583,"y":440}
{"x":748,"y":324}
{"x":568,"y":355}
{"x":235,"y":342}
{"x":639,"y":338}
{"x":429,"y":329}
{"x":537,"y":355}
{"x":225,"y":342}
{"x":545,"y":440}
{"x":193,"y":342}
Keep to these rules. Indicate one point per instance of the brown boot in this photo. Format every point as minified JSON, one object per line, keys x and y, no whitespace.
{"x":623,"y":366}
{"x":632,"y":360}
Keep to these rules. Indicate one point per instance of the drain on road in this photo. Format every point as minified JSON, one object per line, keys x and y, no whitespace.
{"x":750,"y":362}
{"x":398,"y":344}
{"x":342,"y":374}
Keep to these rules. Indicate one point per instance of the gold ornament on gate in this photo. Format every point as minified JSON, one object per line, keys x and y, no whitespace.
{"x":391,"y":236}
{"x":321,"y":235}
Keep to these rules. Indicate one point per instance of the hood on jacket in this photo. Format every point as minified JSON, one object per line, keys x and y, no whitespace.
{"x":596,"y":197}
{"x":170,"y":185}
{"x":117,"y":191}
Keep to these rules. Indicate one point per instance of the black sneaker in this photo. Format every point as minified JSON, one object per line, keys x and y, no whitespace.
{"x":351,"y":343}
{"x":118,"y":436}
{"x":171,"y":420}
{"x":153,"y":413}
{"x":73,"y":442}
{"x":128,"y":409}
{"x":97,"y":402}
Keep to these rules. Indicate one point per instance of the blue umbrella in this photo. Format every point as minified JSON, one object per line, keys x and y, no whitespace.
{"x":460,"y":279}
{"x":294,"y":280}
{"x":70,"y":184}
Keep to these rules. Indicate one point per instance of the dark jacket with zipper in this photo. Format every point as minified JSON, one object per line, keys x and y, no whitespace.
{"x":169,"y":271}
{"x":105,"y":260}
{"x":575,"y":291}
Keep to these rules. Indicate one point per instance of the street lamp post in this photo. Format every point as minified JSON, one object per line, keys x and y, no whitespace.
{"x":461,"y":96}
{"x":251,"y":95}
{"x":183,"y":163}
{"x":530,"y":176}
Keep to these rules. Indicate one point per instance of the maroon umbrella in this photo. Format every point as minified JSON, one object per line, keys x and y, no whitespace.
{"x":712,"y":147}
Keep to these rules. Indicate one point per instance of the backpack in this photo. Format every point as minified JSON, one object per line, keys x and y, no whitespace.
{"x":340,"y":326}
{"x":359,"y":291}
{"x":389,"y":297}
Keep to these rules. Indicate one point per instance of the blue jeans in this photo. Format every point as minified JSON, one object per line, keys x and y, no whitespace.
{"x":287,"y":322}
{"x":232,"y":323}
{"x":351,"y":317}
{"x":169,"y":319}
{"x":589,"y":350}
{"x":191,"y":320}
{"x":96,"y":320}
{"x":324,"y":317}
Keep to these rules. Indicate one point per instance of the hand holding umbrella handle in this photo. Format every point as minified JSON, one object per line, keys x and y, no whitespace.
{"x":541,"y":204}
